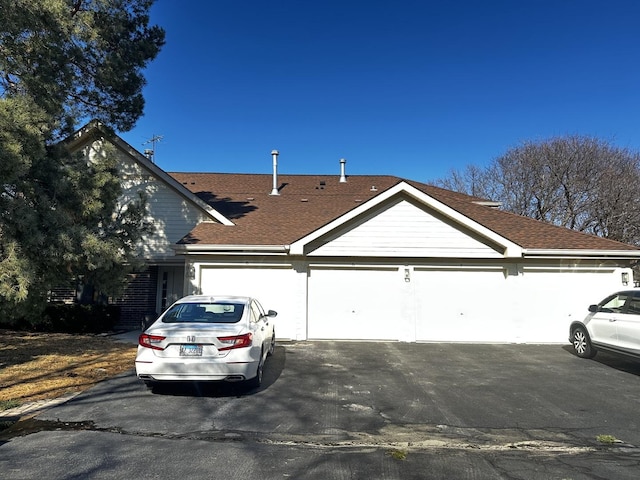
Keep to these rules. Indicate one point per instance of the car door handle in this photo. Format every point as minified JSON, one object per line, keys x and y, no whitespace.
{"x":613,"y":320}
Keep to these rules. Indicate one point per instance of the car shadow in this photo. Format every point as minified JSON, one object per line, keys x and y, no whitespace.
{"x":620,"y":362}
{"x":273,"y":368}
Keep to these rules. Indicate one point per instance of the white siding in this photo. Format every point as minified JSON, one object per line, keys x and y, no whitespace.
{"x":172,"y":215}
{"x":404,"y":230}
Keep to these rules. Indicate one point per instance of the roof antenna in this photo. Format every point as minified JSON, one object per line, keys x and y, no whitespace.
{"x":151,"y":152}
{"x":274,"y":154}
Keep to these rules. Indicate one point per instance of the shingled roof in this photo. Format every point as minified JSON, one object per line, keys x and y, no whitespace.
{"x":308,"y":202}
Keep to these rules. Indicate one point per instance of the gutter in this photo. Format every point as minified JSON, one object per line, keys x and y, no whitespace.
{"x":580,"y":253}
{"x":187,"y":249}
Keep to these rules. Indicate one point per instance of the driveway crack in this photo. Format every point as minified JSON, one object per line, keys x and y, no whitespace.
{"x":405,"y":438}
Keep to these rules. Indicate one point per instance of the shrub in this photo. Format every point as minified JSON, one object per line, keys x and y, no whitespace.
{"x":76,"y":318}
{"x":66,"y":318}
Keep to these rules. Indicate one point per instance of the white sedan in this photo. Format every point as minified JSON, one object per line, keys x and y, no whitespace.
{"x":207,"y":338}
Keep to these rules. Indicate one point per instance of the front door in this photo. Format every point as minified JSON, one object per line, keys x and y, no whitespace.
{"x":170,"y":287}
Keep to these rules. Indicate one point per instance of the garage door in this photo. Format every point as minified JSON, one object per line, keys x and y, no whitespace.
{"x":275,"y":288}
{"x":484,"y":305}
{"x":463,"y":306}
{"x":358,"y":304}
{"x":555,"y":298}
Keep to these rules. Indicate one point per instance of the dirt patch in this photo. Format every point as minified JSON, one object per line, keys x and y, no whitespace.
{"x":38,"y":366}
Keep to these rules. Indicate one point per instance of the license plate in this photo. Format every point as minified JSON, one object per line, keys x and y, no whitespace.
{"x":190,"y":350}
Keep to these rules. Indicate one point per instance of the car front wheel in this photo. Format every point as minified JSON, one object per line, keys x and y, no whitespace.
{"x":272,"y":344}
{"x":582,"y":343}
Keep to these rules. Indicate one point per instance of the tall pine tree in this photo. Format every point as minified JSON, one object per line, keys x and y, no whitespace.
{"x":63,"y":62}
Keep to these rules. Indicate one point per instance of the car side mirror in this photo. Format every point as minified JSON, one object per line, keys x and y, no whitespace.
{"x":272,"y":313}
{"x":593,"y":308}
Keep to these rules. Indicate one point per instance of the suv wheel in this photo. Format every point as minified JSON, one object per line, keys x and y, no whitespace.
{"x":582,"y":343}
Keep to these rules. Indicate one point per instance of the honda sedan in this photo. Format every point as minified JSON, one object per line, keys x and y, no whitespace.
{"x":207,"y":338}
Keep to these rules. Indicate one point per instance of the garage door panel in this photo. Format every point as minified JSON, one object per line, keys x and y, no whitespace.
{"x":275,"y":288}
{"x":462,"y":306}
{"x":355,"y":304}
{"x":555,"y":299}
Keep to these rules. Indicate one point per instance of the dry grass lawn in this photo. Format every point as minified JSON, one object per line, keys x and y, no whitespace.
{"x":37,"y":366}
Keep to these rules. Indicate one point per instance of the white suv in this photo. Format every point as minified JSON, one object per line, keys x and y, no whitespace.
{"x":612,"y":325}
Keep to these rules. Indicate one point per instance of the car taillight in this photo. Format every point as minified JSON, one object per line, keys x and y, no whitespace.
{"x":237,"y":341}
{"x":150,"y":341}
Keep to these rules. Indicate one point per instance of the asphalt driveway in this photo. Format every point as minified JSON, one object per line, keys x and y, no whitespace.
{"x":356,"y":410}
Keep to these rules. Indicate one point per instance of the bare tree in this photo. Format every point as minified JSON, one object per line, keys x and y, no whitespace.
{"x":472,"y":181}
{"x":616,"y":207}
{"x":578,"y":182}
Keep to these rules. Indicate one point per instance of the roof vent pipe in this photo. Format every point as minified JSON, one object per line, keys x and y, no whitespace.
{"x":343,"y":177}
{"x":274,"y":154}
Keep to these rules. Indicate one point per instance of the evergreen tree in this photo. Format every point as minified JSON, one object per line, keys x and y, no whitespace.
{"x":63,"y":62}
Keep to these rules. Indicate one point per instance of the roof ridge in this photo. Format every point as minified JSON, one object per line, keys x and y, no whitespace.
{"x":289,"y":174}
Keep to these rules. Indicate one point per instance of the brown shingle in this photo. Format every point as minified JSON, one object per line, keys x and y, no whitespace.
{"x":307,"y":202}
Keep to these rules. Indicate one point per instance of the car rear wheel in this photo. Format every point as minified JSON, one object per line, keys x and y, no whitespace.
{"x":582,"y":343}
{"x":256,"y":381}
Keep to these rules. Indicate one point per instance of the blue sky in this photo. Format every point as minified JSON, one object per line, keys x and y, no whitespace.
{"x":399,"y":87}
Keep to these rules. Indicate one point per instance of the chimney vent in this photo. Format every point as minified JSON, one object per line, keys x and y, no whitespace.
{"x":343,"y":177}
{"x":274,"y":191}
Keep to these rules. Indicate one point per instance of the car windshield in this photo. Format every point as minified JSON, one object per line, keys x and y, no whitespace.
{"x":204,"y":313}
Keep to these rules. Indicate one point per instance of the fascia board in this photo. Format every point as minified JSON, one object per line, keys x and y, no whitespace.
{"x":566,"y":253}
{"x":84,"y":133}
{"x":511,"y":249}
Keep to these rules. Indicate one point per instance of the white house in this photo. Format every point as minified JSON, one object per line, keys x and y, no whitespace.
{"x":364,"y":257}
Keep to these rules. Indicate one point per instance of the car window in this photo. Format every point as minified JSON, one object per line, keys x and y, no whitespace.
{"x":614,"y":304}
{"x":256,"y":313}
{"x":204,"y":313}
{"x":259,"y":307}
{"x":633,"y":306}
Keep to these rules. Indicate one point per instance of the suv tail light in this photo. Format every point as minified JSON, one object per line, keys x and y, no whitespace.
{"x":150,"y":341}
{"x":237,"y":341}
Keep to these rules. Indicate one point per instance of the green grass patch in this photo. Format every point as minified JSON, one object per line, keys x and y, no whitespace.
{"x":7,"y":404}
{"x":398,"y":454}
{"x":607,"y":439}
